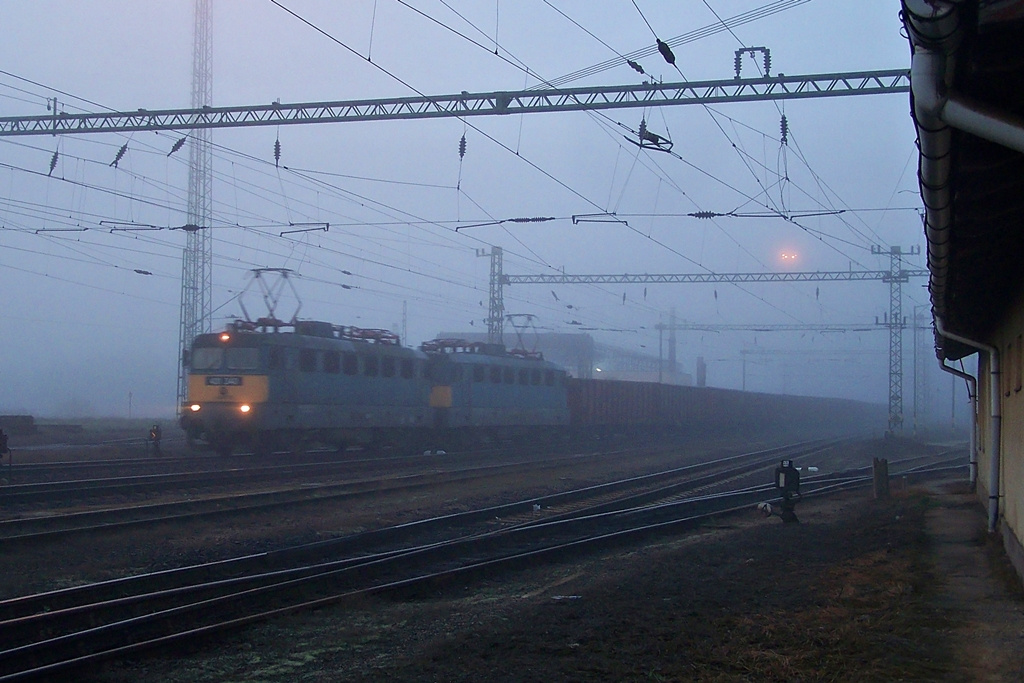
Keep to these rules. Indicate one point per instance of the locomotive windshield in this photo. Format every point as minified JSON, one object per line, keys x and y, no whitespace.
{"x":242,"y":358}
{"x":207,"y":358}
{"x":236,"y":357}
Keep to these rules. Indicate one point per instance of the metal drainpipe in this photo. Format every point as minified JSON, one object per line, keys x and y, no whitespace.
{"x":995,"y":418}
{"x":933,"y":100}
{"x":972,"y":384}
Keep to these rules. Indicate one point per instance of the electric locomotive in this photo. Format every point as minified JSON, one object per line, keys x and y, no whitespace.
{"x":267,"y":385}
{"x":484,"y":393}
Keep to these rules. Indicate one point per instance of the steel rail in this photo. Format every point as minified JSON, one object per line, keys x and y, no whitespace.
{"x":353,"y":544}
{"x":34,"y":529}
{"x":684,"y":515}
{"x":473,"y":555}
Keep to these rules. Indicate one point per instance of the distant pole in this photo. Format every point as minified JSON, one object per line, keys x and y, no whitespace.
{"x":661,"y":353}
{"x":129,"y":405}
{"x":915,"y":370}
{"x":952,"y":405}
{"x":672,"y":367}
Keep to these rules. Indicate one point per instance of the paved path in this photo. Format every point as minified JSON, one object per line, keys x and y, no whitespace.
{"x":977,"y":586}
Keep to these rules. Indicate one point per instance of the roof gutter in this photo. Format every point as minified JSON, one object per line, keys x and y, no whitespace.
{"x":995,"y":419}
{"x":972,"y":394}
{"x":936,"y":29}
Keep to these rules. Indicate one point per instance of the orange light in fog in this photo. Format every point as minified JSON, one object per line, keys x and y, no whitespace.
{"x":224,"y":336}
{"x":244,"y":408}
{"x":194,"y":407}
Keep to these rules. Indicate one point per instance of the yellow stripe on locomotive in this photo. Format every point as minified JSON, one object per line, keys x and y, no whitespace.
{"x":248,"y":389}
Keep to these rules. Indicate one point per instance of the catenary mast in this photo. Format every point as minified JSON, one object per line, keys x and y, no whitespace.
{"x":197,"y":259}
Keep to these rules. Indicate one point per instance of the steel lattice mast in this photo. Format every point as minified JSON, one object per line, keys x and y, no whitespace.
{"x":895,"y":322}
{"x":496,"y":302}
{"x":197,"y":259}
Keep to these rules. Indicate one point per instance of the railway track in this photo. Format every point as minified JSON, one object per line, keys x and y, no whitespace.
{"x":426,"y":471}
{"x":192,"y":474}
{"x":33,"y":528}
{"x":52,"y":634}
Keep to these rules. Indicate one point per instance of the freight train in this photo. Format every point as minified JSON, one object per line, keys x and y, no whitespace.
{"x":269,"y":385}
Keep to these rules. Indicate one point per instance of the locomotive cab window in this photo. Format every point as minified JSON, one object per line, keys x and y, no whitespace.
{"x":524,"y":376}
{"x":243,"y":358}
{"x":387,"y":366}
{"x":495,"y":374}
{"x":478,"y":373}
{"x":535,"y":376}
{"x":332,"y":362}
{"x":510,"y":376}
{"x":307,"y":360}
{"x":207,"y":358}
{"x":371,"y":366}
{"x":407,"y":369}
{"x":549,"y":378}
{"x":275,"y":357}
{"x":350,"y":363}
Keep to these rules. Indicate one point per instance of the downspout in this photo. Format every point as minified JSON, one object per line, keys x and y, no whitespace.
{"x":972,"y":391}
{"x":935,"y":30}
{"x":935,"y":35}
{"x":995,"y":418}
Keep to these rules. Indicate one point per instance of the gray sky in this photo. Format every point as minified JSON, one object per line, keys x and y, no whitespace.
{"x":82,"y":329}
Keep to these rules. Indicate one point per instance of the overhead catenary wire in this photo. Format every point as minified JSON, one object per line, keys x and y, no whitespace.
{"x":406,"y":223}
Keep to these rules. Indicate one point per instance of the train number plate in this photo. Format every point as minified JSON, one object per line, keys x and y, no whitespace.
{"x":219,"y":381}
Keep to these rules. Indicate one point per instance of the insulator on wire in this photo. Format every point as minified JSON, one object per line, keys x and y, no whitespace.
{"x":53,"y":162}
{"x":177,"y":145}
{"x":784,"y":130}
{"x":120,"y":153}
{"x":767,"y":61}
{"x":636,"y":67}
{"x":462,"y":146}
{"x":737,"y":62}
{"x":277,"y":152}
{"x":666,"y":52}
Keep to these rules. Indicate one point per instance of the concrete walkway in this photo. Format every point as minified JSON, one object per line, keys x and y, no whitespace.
{"x":977,"y":586}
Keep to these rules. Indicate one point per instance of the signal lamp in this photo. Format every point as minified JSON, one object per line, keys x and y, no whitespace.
{"x":245,"y":408}
{"x":194,"y":407}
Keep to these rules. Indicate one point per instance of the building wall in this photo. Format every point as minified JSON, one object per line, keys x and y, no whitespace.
{"x":1008,"y":338}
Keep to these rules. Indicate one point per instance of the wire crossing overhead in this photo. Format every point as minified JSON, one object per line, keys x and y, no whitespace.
{"x":810,"y":276}
{"x":779,"y":87}
{"x":771,"y":327}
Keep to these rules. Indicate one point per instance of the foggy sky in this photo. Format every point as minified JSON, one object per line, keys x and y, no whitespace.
{"x":82,"y":329}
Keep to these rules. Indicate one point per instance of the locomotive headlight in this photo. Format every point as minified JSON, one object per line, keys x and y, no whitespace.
{"x":245,"y":407}
{"x":194,"y":407}
{"x":224,"y":336}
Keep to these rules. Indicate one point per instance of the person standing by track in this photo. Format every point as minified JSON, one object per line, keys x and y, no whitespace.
{"x":154,"y":439}
{"x":5,"y":449}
